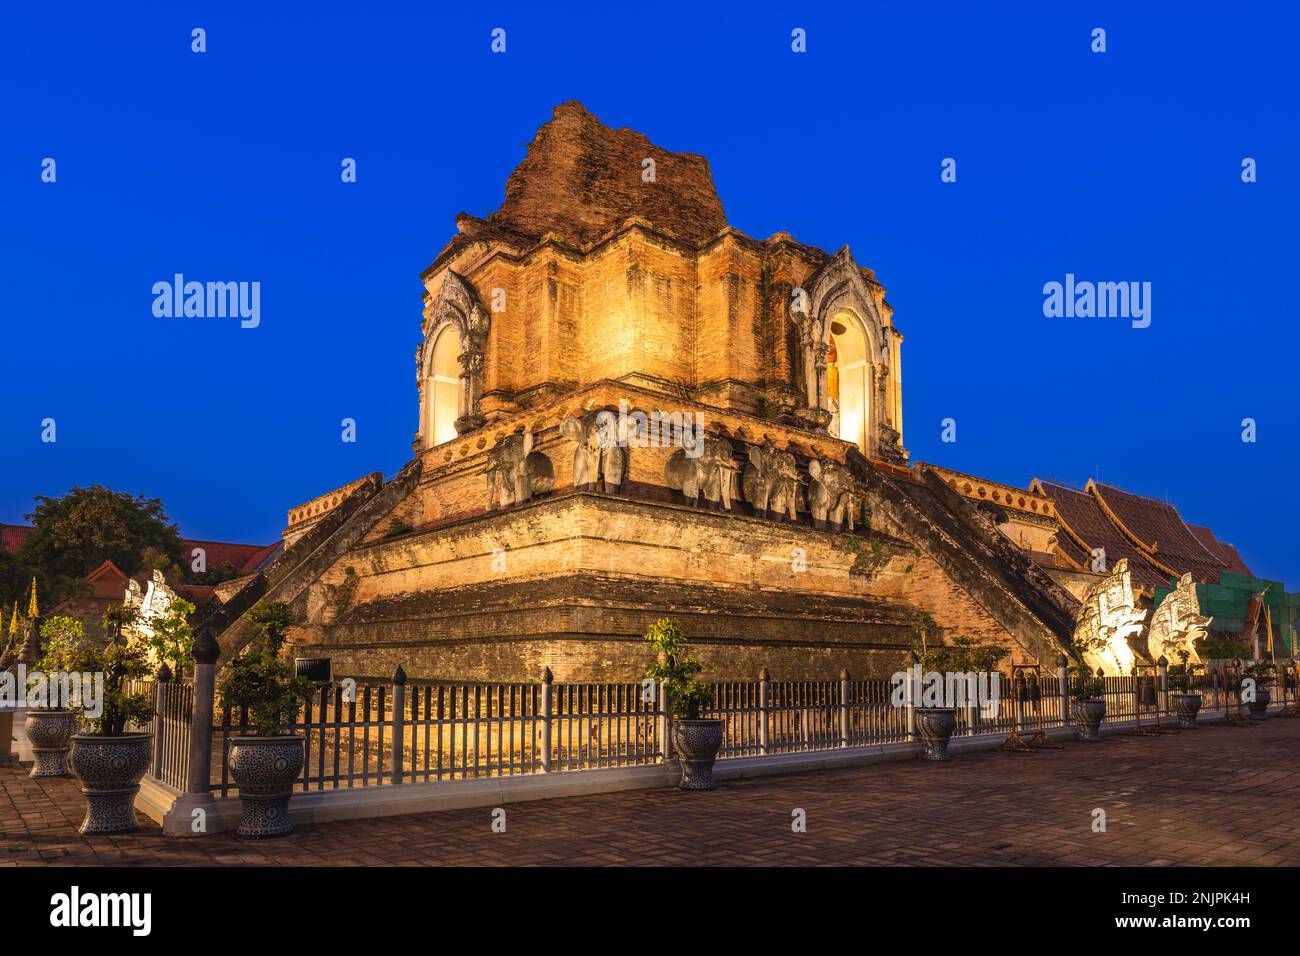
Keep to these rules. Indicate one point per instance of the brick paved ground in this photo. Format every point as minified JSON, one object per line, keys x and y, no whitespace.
{"x":1217,"y":796}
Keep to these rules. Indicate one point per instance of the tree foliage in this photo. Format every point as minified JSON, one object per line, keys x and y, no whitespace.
{"x":73,"y":534}
{"x":260,"y":681}
{"x":686,"y":695}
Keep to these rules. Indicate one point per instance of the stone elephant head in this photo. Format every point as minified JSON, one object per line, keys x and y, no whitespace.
{"x":833,"y":495}
{"x":515,"y":472}
{"x":711,"y":473}
{"x":600,"y":453}
{"x":771,"y":481}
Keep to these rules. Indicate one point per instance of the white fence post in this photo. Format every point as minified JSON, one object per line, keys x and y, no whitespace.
{"x":1162,"y":670}
{"x":844,"y":707}
{"x":1063,"y":686}
{"x":910,"y":697}
{"x":665,"y":721}
{"x":399,"y":726}
{"x":547,"y":680}
{"x":189,"y":814}
{"x":763,"y":680}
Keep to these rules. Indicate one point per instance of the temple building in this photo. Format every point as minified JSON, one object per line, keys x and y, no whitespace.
{"x":628,"y":409}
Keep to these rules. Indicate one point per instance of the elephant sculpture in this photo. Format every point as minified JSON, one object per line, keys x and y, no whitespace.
{"x":832,"y":495}
{"x":600,"y":453}
{"x":515,"y":472}
{"x":771,"y":481}
{"x":712,"y":473}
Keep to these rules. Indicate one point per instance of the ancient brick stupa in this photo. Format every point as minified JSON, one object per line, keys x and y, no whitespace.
{"x":529,"y":531}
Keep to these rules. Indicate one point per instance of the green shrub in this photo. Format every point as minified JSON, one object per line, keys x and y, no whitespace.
{"x":259,"y":681}
{"x":172,"y":641}
{"x":1085,"y":684}
{"x":63,"y":637}
{"x":686,"y":695}
{"x":119,"y":661}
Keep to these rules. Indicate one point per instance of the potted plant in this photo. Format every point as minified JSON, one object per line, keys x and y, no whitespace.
{"x":696,"y":740}
{"x":1261,"y":672}
{"x":265,"y":764}
{"x":935,"y":725}
{"x":1088,"y":707}
{"x":108,"y":759}
{"x":50,"y":725}
{"x":1186,"y":703}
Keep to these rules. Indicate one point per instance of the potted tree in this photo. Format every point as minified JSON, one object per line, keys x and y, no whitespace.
{"x":696,"y":740}
{"x":108,"y":759}
{"x":934,"y":724}
{"x":1186,"y":703}
{"x":265,"y":764}
{"x":50,"y":724}
{"x":1088,"y":706}
{"x":1261,"y":672}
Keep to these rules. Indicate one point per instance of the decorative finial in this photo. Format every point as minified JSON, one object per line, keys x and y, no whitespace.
{"x":33,"y":609}
{"x":399,"y":676}
{"x":206,"y":649}
{"x":547,"y":676}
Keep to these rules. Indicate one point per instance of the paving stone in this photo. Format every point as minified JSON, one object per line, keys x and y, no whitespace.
{"x":1177,"y":800}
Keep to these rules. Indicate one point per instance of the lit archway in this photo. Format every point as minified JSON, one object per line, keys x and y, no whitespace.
{"x":849,"y":381}
{"x":442,"y":395}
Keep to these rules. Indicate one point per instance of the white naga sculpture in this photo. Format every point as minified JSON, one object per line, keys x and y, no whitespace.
{"x":1110,"y":624}
{"x":151,"y":604}
{"x":1177,"y":622}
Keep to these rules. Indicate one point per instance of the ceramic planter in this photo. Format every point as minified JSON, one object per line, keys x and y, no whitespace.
{"x":49,"y":732}
{"x":696,"y":743}
{"x":109,"y":769}
{"x":1186,"y":707}
{"x":1258,"y":706}
{"x":1089,"y":714}
{"x":264,"y":769}
{"x":935,"y":725}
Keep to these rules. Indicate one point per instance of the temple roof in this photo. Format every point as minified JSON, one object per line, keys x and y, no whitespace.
{"x":1222,"y":550}
{"x":1161,"y":531}
{"x":1081,"y":513}
{"x":580,"y":179}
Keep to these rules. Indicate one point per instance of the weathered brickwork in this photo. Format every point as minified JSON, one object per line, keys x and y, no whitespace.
{"x":592,"y":288}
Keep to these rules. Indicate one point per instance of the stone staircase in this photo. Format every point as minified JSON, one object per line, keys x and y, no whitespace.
{"x":1037,"y":612}
{"x":307,"y":558}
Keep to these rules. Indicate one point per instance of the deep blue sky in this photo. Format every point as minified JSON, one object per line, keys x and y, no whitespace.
{"x":225,"y":165}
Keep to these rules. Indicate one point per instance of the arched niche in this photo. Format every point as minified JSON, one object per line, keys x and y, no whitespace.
{"x":443,"y":388}
{"x":849,"y":380}
{"x":449,"y":363}
{"x":836,"y":313}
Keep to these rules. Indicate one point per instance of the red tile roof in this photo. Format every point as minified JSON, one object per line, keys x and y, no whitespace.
{"x":245,"y":558}
{"x":1081,"y":513}
{"x":1222,"y":550}
{"x":12,"y":536}
{"x":1161,"y":531}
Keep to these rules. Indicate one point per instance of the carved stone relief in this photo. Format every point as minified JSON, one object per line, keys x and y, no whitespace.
{"x":515,"y":472}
